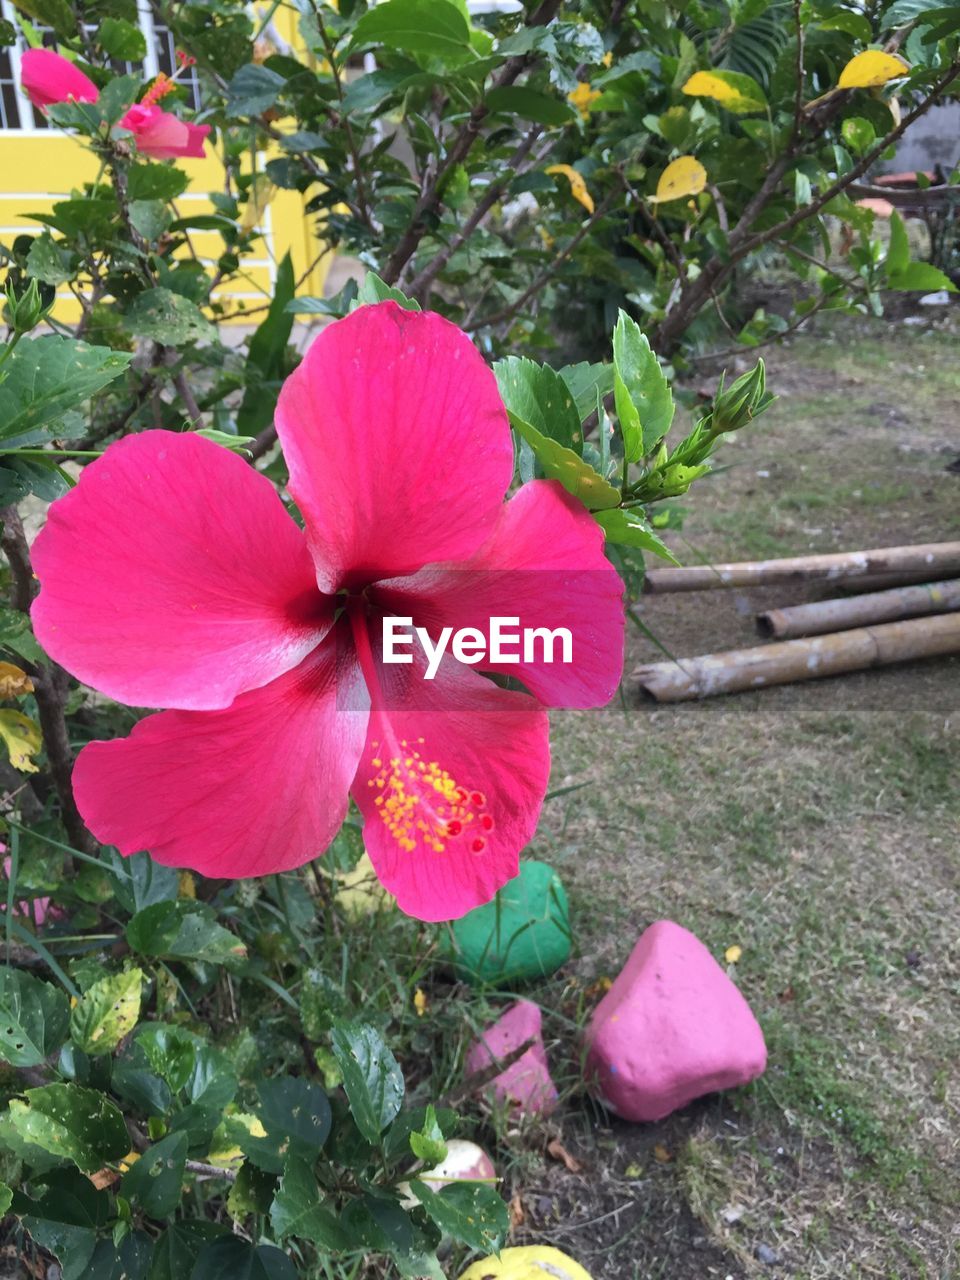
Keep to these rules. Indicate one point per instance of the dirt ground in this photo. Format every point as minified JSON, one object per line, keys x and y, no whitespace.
{"x":816,"y":826}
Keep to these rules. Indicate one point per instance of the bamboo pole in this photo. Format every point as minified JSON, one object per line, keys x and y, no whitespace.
{"x":794,"y":660}
{"x":859,"y":611}
{"x":934,"y":560}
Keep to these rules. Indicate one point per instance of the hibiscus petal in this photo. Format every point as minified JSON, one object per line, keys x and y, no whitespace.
{"x":398,"y":444}
{"x":544,"y":566}
{"x":172,"y":576}
{"x":252,"y":790}
{"x":451,"y":783}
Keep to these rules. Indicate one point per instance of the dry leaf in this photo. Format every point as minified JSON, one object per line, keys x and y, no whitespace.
{"x":684,"y":177}
{"x":871,"y":68}
{"x":14,"y":683}
{"x":556,"y":1149}
{"x":661,"y":1154}
{"x":517,"y":1215}
{"x":104,"y":1178}
{"x":578,"y":188}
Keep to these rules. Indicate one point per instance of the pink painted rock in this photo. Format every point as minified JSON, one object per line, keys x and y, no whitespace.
{"x":671,"y":1028}
{"x":527,"y":1084}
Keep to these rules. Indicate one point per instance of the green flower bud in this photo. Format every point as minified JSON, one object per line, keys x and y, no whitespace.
{"x":741,"y":402}
{"x":24,"y":313}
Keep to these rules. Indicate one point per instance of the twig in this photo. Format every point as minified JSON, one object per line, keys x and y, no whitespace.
{"x":210,"y":1170}
{"x":51,"y":686}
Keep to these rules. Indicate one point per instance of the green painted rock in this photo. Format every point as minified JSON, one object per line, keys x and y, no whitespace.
{"x":523,"y":934}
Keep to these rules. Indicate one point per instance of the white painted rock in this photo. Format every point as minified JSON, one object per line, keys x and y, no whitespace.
{"x":527,"y":1084}
{"x":464,"y":1160}
{"x":671,"y":1028}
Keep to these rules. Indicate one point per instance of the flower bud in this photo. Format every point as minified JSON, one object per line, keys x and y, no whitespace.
{"x":24,"y":313}
{"x":741,"y":402}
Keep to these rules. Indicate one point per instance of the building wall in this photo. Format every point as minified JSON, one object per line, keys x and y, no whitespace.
{"x":934,"y":139}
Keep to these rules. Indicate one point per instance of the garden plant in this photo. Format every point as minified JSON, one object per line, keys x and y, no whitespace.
{"x":215,"y":1060}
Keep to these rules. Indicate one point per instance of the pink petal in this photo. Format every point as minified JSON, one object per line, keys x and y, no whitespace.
{"x":252,"y":790}
{"x":157,"y":133}
{"x":544,"y":565}
{"x":196,"y":137}
{"x":48,"y":78}
{"x":454,"y":750}
{"x":172,"y":576}
{"x":398,"y":444}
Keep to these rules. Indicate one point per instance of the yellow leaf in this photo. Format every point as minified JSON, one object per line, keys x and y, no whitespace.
{"x":733,"y":954}
{"x":128,"y":1160}
{"x":737,"y":92}
{"x":23,"y":740}
{"x":871,"y":68}
{"x":578,"y":188}
{"x":893,"y":106}
{"x":530,"y":1262}
{"x":420,"y":1002}
{"x":607,"y":58}
{"x":186,"y":885}
{"x":684,"y":177}
{"x":583,"y":98}
{"x":14,"y":683}
{"x":262,"y":191}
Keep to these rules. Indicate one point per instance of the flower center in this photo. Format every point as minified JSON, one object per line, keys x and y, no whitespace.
{"x":419,"y":800}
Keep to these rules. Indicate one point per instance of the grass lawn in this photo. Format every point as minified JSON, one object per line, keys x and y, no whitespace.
{"x":818,"y":827}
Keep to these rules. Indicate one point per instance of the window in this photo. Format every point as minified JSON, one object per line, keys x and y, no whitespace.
{"x":16,"y":113}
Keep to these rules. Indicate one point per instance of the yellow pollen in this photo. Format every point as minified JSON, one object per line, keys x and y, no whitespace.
{"x":422,"y":804}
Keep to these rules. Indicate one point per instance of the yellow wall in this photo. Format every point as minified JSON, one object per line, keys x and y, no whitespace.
{"x":38,"y":169}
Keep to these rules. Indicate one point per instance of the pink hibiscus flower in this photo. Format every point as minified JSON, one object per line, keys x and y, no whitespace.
{"x":162,"y":135}
{"x":172,"y":576}
{"x":48,"y":79}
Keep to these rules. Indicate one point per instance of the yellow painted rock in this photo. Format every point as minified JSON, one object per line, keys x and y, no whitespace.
{"x":360,"y":892}
{"x":533,"y":1262}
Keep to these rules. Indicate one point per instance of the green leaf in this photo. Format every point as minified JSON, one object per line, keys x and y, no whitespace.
{"x":898,"y":251}
{"x":171,"y":1052}
{"x":183,"y":929}
{"x":516,"y":100}
{"x":253,"y":90}
{"x":106,"y":1012}
{"x":641,"y":392}
{"x":156,"y":182}
{"x":45,"y":378}
{"x":235,"y":1259}
{"x":252,"y":1192}
{"x":429,"y":1144}
{"x":51,"y":13}
{"x":179,"y":1247}
{"x":474,"y":1214}
{"x":6,"y":1199}
{"x":72,"y":1122}
{"x":167,"y":317}
{"x":17,"y":635}
{"x":296,"y":1115}
{"x":373,"y":289}
{"x":265,"y":361}
{"x":301,"y":1208}
{"x":921,"y":276}
{"x":150,"y":218}
{"x":34,"y":1018}
{"x":73,"y":1247}
{"x":371,"y":1077}
{"x":121,"y":40}
{"x":540,"y":397}
{"x":584,"y":380}
{"x":49,"y":261}
{"x":858,"y":133}
{"x":417,"y":26}
{"x":630,"y":529}
{"x":153,"y":1182}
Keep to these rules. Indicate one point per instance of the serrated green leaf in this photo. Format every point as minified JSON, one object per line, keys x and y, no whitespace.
{"x":177,"y":1250}
{"x":72,"y":1122}
{"x":183,"y":929}
{"x":641,"y":392}
{"x":49,"y":261}
{"x":121,"y":40}
{"x":528,"y":104}
{"x":34,"y":1018}
{"x":372,"y":1077}
{"x":297,"y":1118}
{"x":584,"y":380}
{"x":252,"y":1192}
{"x":253,"y":90}
{"x":428,"y":1144}
{"x":156,"y":182}
{"x":106,"y":1013}
{"x":540,"y":396}
{"x":373,"y":290}
{"x":898,"y":250}
{"x":474,"y":1214}
{"x":153,"y":1182}
{"x":168,"y":318}
{"x":301,"y":1208}
{"x":46,"y":377}
{"x":921,"y":276}
{"x":235,"y":1259}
